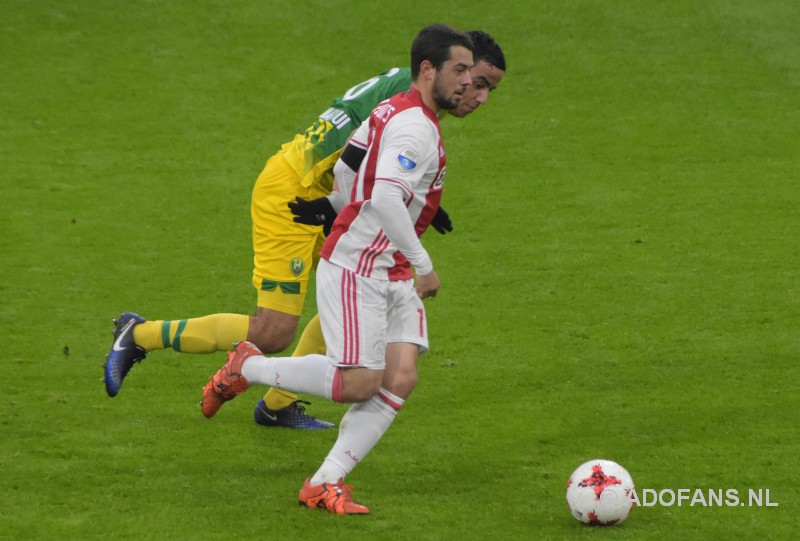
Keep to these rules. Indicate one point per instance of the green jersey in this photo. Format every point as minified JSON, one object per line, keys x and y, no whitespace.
{"x":313,"y":154}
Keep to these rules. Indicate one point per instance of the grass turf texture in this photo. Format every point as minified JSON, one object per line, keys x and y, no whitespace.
{"x":621,"y":281}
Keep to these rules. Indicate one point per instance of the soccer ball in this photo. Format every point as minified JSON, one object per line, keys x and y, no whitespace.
{"x":600,"y":492}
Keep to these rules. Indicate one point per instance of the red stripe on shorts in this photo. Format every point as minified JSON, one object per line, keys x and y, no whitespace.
{"x":350,"y":318}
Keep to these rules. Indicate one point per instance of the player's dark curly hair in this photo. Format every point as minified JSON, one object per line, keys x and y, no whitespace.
{"x":485,"y":48}
{"x":433,"y":44}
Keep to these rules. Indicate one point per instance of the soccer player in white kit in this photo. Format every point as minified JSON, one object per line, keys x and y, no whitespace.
{"x":370,"y":304}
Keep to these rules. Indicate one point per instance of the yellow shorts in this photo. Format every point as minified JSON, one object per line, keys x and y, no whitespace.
{"x":285,"y":251}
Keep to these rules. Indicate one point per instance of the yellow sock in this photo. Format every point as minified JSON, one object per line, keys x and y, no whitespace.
{"x":278,"y":399}
{"x":217,"y":332}
{"x":311,"y":341}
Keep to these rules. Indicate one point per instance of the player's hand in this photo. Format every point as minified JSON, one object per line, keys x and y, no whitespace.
{"x":313,"y":212}
{"x":427,"y":285}
{"x":441,"y":221}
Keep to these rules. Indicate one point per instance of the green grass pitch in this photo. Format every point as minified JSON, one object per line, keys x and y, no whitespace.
{"x":622,"y":280}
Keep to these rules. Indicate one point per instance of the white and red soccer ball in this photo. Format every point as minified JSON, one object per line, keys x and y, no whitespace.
{"x":600,"y":493}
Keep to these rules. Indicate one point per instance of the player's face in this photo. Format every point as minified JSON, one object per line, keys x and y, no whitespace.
{"x":485,"y":78}
{"x":453,"y":78}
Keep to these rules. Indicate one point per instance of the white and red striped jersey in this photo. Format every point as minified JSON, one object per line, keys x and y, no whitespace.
{"x":405,"y":156}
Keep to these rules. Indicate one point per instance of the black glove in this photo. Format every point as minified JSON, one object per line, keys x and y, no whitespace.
{"x":314,"y":212}
{"x":441,"y":221}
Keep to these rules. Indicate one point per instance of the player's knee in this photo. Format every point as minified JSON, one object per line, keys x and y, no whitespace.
{"x":272,"y":331}
{"x":403,"y":382}
{"x":401,"y":374}
{"x":272,"y":343}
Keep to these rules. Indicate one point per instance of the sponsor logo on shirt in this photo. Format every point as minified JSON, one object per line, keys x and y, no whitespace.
{"x":407,"y":159}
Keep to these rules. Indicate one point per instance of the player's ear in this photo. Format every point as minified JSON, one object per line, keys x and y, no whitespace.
{"x":427,"y":70}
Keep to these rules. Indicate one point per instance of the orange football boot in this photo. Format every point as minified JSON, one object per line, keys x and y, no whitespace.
{"x":228,"y":382}
{"x":334,"y":497}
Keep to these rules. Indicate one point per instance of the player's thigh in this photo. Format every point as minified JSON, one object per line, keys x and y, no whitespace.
{"x":284,"y":251}
{"x":282,"y":270}
{"x":406,"y":319}
{"x":352,"y":311}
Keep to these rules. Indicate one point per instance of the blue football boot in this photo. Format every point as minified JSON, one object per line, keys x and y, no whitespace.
{"x":123,"y":353}
{"x":294,"y":416}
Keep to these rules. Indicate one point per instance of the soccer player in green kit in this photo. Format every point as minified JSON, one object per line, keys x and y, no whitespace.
{"x":285,"y":250}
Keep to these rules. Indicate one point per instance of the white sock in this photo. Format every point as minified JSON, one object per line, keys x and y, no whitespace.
{"x":311,"y":374}
{"x":360,"y":430}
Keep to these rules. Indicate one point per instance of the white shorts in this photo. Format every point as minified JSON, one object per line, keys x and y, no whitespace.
{"x":361,"y":315}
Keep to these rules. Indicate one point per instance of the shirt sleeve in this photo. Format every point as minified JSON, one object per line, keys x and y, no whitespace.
{"x":344,"y":176}
{"x":406,"y":153}
{"x":388,"y":202}
{"x":344,"y":170}
{"x":360,"y":136}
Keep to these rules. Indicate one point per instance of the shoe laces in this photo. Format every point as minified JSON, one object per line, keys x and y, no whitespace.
{"x":342,"y":488}
{"x":301,"y":410}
